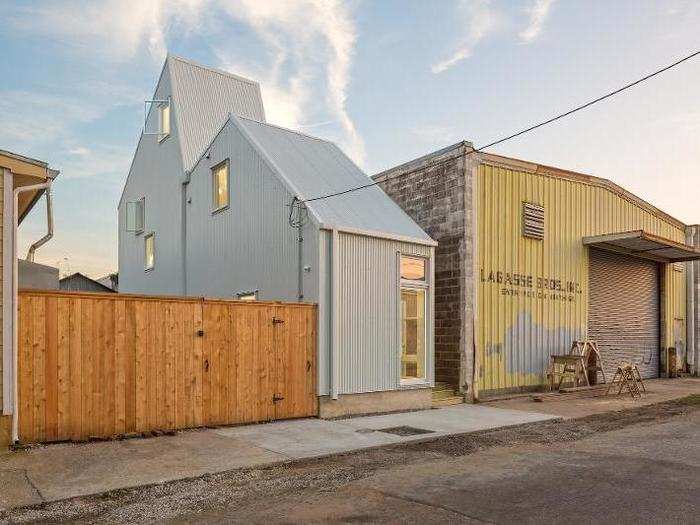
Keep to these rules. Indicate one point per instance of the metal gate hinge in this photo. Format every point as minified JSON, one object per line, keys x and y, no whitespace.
{"x":277,"y":320}
{"x":276,"y":398}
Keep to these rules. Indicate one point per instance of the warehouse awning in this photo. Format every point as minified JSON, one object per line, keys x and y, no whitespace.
{"x":645,"y":245}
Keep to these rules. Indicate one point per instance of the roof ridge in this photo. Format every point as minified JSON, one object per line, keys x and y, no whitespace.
{"x":288,"y":130}
{"x":213,"y":69}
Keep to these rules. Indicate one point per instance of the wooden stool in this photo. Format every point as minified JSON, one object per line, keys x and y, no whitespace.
{"x":627,"y":376}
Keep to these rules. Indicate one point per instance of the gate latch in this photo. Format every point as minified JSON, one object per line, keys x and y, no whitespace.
{"x":277,"y":320}
{"x":276,"y":397}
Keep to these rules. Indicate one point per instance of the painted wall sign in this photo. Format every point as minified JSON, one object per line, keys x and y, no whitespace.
{"x":535,"y":287}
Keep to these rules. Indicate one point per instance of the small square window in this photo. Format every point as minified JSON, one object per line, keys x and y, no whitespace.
{"x":136,"y":215}
{"x":220,"y":185}
{"x":150,"y":251}
{"x":163,"y":121}
{"x":412,"y":268}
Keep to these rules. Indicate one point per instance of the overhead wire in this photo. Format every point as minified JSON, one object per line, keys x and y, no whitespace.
{"x":523,"y":131}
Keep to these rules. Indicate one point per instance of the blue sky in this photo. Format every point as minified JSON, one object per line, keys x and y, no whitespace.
{"x":388,"y":80}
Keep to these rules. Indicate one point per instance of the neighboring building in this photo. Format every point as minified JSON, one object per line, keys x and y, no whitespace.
{"x":77,"y":282}
{"x":531,"y":258}
{"x":16,"y":173}
{"x":37,"y":276}
{"x":111,"y":281}
{"x":212,"y":207}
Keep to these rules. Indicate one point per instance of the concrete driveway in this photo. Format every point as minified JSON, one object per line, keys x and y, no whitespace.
{"x":641,"y":474}
{"x":61,"y":471}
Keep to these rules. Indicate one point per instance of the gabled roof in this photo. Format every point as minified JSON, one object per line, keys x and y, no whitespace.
{"x":312,"y":167}
{"x":203,"y":98}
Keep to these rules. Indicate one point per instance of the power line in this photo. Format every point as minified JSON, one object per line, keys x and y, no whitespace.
{"x":526,"y":130}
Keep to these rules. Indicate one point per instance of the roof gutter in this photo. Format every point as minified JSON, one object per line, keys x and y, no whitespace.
{"x":379,"y":235}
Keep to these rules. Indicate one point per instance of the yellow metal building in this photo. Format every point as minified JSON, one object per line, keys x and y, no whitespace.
{"x":544,"y":257}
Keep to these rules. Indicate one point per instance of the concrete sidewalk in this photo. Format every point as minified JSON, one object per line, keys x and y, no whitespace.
{"x":55,"y":472}
{"x":571,"y":407}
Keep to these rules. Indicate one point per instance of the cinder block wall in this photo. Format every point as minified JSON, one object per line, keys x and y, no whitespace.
{"x":432,"y":191}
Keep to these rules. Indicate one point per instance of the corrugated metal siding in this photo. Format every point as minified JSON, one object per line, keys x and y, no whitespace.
{"x":156,"y":172}
{"x":517,"y":333}
{"x":203,"y":99}
{"x":249,"y":245}
{"x":624,"y":311}
{"x":368,"y":316}
{"x":316,"y":167}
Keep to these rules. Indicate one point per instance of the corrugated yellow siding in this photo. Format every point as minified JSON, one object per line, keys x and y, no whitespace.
{"x":520,"y":320}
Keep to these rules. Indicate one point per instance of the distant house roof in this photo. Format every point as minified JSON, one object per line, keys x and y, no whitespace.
{"x":313,"y":167}
{"x":203,"y":98}
{"x":110,"y":280}
{"x":78,"y":282}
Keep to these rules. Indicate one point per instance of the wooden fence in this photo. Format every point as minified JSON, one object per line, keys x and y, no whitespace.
{"x":103,"y":365}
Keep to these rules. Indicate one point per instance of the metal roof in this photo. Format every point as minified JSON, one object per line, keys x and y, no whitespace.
{"x":313,"y":167}
{"x":645,"y":245}
{"x":203,"y":98}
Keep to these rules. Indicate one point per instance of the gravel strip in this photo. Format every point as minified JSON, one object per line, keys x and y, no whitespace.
{"x":258,"y":485}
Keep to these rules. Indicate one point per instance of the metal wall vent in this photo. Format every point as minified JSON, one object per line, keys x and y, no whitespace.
{"x":533,"y":220}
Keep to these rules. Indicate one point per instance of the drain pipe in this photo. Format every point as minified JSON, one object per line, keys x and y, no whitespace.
{"x":15,"y":284}
{"x":49,"y":234}
{"x":690,"y":307}
{"x":335,"y":303}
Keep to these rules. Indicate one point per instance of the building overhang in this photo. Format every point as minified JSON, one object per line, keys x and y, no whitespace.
{"x":639,"y":243}
{"x":26,"y":172}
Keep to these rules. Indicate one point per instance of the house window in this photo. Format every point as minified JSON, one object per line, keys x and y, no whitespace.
{"x":414,"y":304}
{"x":220,"y":185}
{"x":163,"y":121}
{"x":136,"y":215}
{"x":150,"y":251}
{"x":247,"y":296}
{"x":412,"y":268}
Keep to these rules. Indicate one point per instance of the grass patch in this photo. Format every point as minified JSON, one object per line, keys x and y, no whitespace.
{"x":691,"y":400}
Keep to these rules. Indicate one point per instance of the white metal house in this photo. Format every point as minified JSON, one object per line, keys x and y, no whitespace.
{"x":214,"y":206}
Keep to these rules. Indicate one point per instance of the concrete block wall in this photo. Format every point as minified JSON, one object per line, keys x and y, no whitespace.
{"x":436,"y":192}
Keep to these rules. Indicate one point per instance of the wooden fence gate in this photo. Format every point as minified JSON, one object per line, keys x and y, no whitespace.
{"x":104,"y":365}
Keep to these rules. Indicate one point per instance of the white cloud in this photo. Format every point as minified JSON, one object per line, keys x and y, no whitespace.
{"x":480,"y":20}
{"x":115,"y":29}
{"x":538,"y":13}
{"x":311,"y":44}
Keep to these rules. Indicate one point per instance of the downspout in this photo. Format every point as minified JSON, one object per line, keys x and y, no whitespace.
{"x":49,"y":219}
{"x":690,"y":306}
{"x":300,"y":240}
{"x":335,"y":365}
{"x":15,"y":295}
{"x":183,"y":229}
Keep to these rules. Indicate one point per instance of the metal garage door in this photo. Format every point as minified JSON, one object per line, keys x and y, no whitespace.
{"x":623,"y":310}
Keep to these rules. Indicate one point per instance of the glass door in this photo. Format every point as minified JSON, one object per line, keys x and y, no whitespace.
{"x":413,"y":332}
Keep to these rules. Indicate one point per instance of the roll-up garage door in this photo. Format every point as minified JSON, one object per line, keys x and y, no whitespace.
{"x":623,"y":311}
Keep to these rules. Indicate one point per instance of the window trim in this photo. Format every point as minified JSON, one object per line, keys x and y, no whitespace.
{"x":150,"y":235}
{"x":142,"y":200}
{"x":162,"y":135}
{"x":214,"y":209}
{"x":411,"y":284}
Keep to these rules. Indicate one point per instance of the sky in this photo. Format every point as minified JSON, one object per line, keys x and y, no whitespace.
{"x":387,"y":80}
